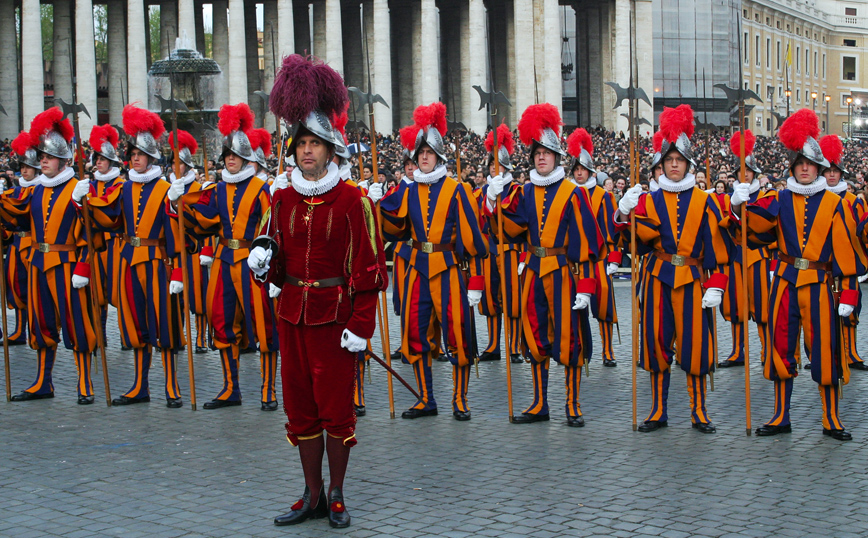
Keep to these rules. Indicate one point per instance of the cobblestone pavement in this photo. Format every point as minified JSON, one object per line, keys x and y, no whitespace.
{"x":149,"y":471}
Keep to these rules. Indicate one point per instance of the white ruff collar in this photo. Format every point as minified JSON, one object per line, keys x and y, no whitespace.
{"x":810,"y":189}
{"x":653,"y":186}
{"x":431,"y":177}
{"x":346,"y":171}
{"x":188,"y":178}
{"x":113,"y":172}
{"x":153,"y":173}
{"x":306,"y":187}
{"x":32,"y":183}
{"x":687,"y":183}
{"x":840,"y":188}
{"x":589,"y":185}
{"x":245,"y":173}
{"x":263,"y":177}
{"x":544,"y":181}
{"x":754,"y":186}
{"x":62,"y":177}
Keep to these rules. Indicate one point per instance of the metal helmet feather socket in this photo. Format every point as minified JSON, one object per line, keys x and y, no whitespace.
{"x":187,"y":147}
{"x":677,"y":127}
{"x":749,"y":143}
{"x":234,"y":122}
{"x":540,"y":125}
{"x":24,"y":147}
{"x":430,"y":125}
{"x":799,"y":135}
{"x":581,"y":147}
{"x":53,"y":133}
{"x":833,"y":151}
{"x":144,"y":128}
{"x":505,"y":149}
{"x":104,"y":142}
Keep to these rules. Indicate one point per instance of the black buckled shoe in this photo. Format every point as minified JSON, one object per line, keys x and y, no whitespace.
{"x":806,"y":365}
{"x":516,"y":359}
{"x":27,"y":396}
{"x":397,"y":355}
{"x":174,"y":403}
{"x":85,"y":400}
{"x":125,"y":400}
{"x":490,"y":356}
{"x":841,"y":435}
{"x":20,"y":342}
{"x":529,"y":418}
{"x":704,"y":428}
{"x":360,"y":410}
{"x":339,"y":518}
{"x":301,"y":510}
{"x":767,"y":430}
{"x":461,"y":416}
{"x":609,"y":363}
{"x":576,"y":422}
{"x":125,"y":348}
{"x":443,"y":358}
{"x":652,"y":425}
{"x":217,"y":404}
{"x":200,"y":350}
{"x":858,"y":365}
{"x":419,"y":413}
{"x":729,"y":364}
{"x":268,"y":406}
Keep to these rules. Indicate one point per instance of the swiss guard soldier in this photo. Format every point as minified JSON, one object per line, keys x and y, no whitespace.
{"x":681,"y":224}
{"x":439,"y":215}
{"x":59,"y":272}
{"x":239,"y":311}
{"x":149,"y":312}
{"x":260,"y":141}
{"x":817,"y":242}
{"x":324,"y":251}
{"x":555,"y":219}
{"x":833,"y":150}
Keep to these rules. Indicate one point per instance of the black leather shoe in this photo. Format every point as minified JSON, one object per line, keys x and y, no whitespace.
{"x":609,"y":363}
{"x":767,"y":430}
{"x":200,"y":350}
{"x":489,"y":356}
{"x":123,"y":400}
{"x":301,"y":510}
{"x":443,"y":358}
{"x":729,"y":364}
{"x":268,"y":406}
{"x":396,"y":355}
{"x":419,"y":413}
{"x":806,"y":365}
{"x":174,"y":403}
{"x":841,"y":435}
{"x":704,"y":428}
{"x":576,"y":422}
{"x":339,"y":518}
{"x":360,"y":411}
{"x":17,"y":342}
{"x":516,"y":359}
{"x":27,"y":396}
{"x":858,"y":366}
{"x":85,"y":400}
{"x":461,"y":416}
{"x":529,"y":418}
{"x":651,"y":425}
{"x":125,"y":348}
{"x":217,"y":404}
{"x":247,"y":350}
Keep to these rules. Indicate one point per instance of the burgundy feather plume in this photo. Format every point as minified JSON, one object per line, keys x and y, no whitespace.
{"x":137,"y":120}
{"x":749,"y":143}
{"x":832,"y":148}
{"x":234,"y":118}
{"x":504,"y":139}
{"x":579,"y":140}
{"x":306,"y":84}
{"x":674,"y":121}
{"x":536,"y":118}
{"x":186,"y":139}
{"x":260,"y":139}
{"x":22,"y":143}
{"x":797,"y":128}
{"x":51,"y":119}
{"x":103,"y":133}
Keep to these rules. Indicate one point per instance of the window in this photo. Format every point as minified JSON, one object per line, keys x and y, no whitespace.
{"x":757,"y":51}
{"x":744,"y":13}
{"x":746,"y":51}
{"x":824,"y":65}
{"x":778,"y":55}
{"x":849,"y":42}
{"x":778,"y":23}
{"x":798,"y":95}
{"x":780,"y":92}
{"x":770,"y":92}
{"x":796,"y":59}
{"x":758,"y":89}
{"x":788,"y":29}
{"x":844,"y":97}
{"x":768,"y":21}
{"x":768,"y":124}
{"x":798,"y":31}
{"x":848,"y":67}
{"x":816,"y":69}
{"x":807,"y":61}
{"x":850,"y":11}
{"x":768,"y":53}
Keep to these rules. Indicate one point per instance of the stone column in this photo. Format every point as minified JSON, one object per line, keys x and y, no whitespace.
{"x":474,"y":66}
{"x":61,"y":74}
{"x":254,"y":76}
{"x":220,"y":49}
{"x":645,"y":59}
{"x":382,"y":68}
{"x":319,"y":30}
{"x":595,"y":68}
{"x":285,"y":31}
{"x":429,"y":83}
{"x":511,"y":69}
{"x":334,"y":51}
{"x":270,"y":55}
{"x":32,"y":82}
{"x":199,"y":19}
{"x":187,"y":21}
{"x":237,"y":54}
{"x":137,"y":60}
{"x":9,"y":70}
{"x":552,"y":63}
{"x":168,"y":26}
{"x":85,"y":65}
{"x":621,"y":63}
{"x":117,"y":61}
{"x":524,"y":56}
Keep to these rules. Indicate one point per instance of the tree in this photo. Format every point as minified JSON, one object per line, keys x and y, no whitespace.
{"x":154,"y":32}
{"x":100,"y":32}
{"x":47,"y":15}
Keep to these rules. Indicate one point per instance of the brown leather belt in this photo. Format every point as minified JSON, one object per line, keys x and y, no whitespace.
{"x":543,"y":252}
{"x":802,"y":264}
{"x":235,"y":244}
{"x":143,"y":241}
{"x":430,"y":248}
{"x":46,"y":247}
{"x":677,"y":259}
{"x":21,"y":234}
{"x":324,"y":283}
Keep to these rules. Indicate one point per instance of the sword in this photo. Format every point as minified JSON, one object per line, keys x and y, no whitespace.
{"x":394,"y":373}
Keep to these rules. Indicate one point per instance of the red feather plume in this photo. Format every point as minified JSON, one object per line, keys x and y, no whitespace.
{"x":749,"y":143}
{"x":137,"y":120}
{"x":22,"y":143}
{"x":674,"y":121}
{"x":832,"y":148}
{"x":186,"y":139}
{"x":235,"y":118}
{"x":797,"y":128}
{"x":339,"y":122}
{"x":408,"y":136}
{"x":504,"y":139}
{"x":579,"y":140}
{"x":103,"y":133}
{"x":657,"y":142}
{"x":51,"y":119}
{"x":536,"y":118}
{"x":260,"y":139}
{"x":433,"y":115}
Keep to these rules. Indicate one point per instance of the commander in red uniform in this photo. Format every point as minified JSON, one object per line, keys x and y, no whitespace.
{"x":324,"y":251}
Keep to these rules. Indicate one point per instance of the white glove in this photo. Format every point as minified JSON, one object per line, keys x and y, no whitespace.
{"x":176,"y":190}
{"x":81,"y":189}
{"x":863,"y":278}
{"x":205,"y":260}
{"x":611,"y":268}
{"x":474,"y":297}
{"x":376,"y":191}
{"x":79,"y":282}
{"x":258,"y":260}
{"x":630,"y":199}
{"x":844,"y":310}
{"x":709,"y":191}
{"x":352,"y":343}
{"x":712,"y":298}
{"x":583,"y":301}
{"x":280,"y":182}
{"x":2,"y":185}
{"x":496,"y":185}
{"x":176,"y":287}
{"x":273,"y":291}
{"x":521,"y":266}
{"x":365,"y":184}
{"x":740,"y":194}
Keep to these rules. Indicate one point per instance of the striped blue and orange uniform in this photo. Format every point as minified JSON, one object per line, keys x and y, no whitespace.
{"x":442,"y":215}
{"x":17,"y":271}
{"x":108,"y":261}
{"x":683,"y":232}
{"x":817,"y":244}
{"x":59,"y":250}
{"x":198,"y":277}
{"x":148,"y":315}
{"x":603,"y":303}
{"x":239,"y":311}
{"x":848,"y":324}
{"x":564,"y":241}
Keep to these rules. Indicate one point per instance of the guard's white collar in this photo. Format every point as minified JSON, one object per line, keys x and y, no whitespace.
{"x":431,"y":177}
{"x":25,"y":183}
{"x":754,"y":186}
{"x":653,"y":186}
{"x":306,"y":187}
{"x":346,"y":171}
{"x":188,"y":178}
{"x":153,"y":173}
{"x":62,"y":177}
{"x":113,"y":172}
{"x":245,"y":173}
{"x":840,"y":188}
{"x":687,"y":183}
{"x":544,"y":181}
{"x":810,"y":189}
